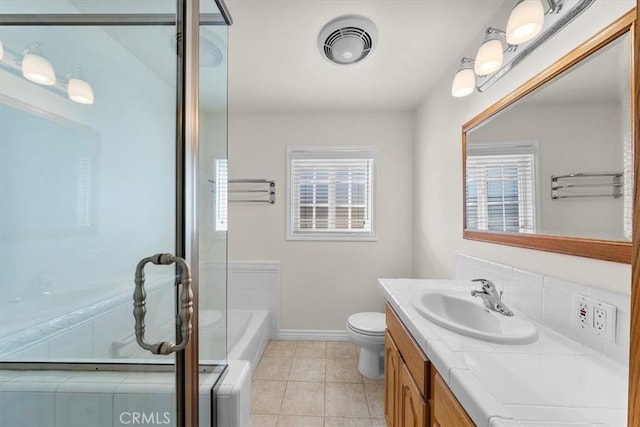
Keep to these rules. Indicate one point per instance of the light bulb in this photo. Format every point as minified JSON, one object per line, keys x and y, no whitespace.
{"x":38,"y":69}
{"x":80,"y":91}
{"x":347,"y":49}
{"x":464,"y":82}
{"x":1,"y":50}
{"x":525,"y":22}
{"x":489,"y":57}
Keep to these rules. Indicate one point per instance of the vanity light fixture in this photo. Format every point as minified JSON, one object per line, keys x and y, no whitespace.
{"x":464,"y":82}
{"x":529,"y":26}
{"x":78,"y":89}
{"x":490,"y":55}
{"x":36,"y":67}
{"x":525,"y":22}
{"x":30,"y":64}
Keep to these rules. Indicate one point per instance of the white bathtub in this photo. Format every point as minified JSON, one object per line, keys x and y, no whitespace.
{"x":247,"y":336}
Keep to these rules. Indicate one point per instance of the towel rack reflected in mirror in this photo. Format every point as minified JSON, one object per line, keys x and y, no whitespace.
{"x":584,"y":185}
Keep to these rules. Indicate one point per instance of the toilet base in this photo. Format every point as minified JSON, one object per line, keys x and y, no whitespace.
{"x":371,"y":363}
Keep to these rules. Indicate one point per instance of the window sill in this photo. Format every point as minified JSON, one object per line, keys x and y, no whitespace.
{"x":334,"y":237}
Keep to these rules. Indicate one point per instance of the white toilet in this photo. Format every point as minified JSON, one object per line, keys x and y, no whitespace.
{"x":366,"y":330}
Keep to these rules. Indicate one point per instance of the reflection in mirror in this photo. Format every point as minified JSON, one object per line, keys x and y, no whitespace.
{"x":57,"y":192}
{"x":558,"y":161}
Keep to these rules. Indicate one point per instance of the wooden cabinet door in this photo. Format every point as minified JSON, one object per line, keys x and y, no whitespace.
{"x":391,"y":381}
{"x":412,"y":409}
{"x":447,"y":411}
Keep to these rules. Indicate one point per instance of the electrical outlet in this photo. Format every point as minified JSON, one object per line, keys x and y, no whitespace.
{"x":581,"y":311}
{"x":599,"y":319}
{"x":604,"y":320}
{"x":594,"y":316}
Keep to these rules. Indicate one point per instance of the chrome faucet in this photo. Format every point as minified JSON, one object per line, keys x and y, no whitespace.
{"x":491,"y":298}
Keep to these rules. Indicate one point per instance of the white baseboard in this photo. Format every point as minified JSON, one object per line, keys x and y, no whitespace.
{"x":312,"y":335}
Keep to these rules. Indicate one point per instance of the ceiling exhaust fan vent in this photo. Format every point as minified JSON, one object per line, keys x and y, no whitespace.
{"x":210,"y":54}
{"x":348,"y":39}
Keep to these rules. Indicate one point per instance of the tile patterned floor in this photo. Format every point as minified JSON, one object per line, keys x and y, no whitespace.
{"x":314,"y":383}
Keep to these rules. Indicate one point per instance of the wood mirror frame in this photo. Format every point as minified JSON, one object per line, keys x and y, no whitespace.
{"x":610,"y":250}
{"x":634,"y":356}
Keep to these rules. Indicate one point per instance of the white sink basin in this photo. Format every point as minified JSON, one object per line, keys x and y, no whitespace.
{"x":460,"y":312}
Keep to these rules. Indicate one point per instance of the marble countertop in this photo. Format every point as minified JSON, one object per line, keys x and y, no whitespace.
{"x":553,"y":381}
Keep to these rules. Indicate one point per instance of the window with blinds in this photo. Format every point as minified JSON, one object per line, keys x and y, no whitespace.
{"x":627,"y":188}
{"x":221,"y":194}
{"x":501,"y":188}
{"x":330,"y":193}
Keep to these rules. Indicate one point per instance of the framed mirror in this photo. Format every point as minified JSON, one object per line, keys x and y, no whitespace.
{"x":550,"y":166}
{"x":57,"y":192}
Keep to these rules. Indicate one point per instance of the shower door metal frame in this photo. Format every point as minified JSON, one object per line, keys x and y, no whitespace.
{"x":187,"y":361}
{"x":187,"y":22}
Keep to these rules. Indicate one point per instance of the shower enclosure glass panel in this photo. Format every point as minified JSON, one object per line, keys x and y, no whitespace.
{"x":212,"y":177}
{"x":90,"y":183}
{"x":87,"y":190}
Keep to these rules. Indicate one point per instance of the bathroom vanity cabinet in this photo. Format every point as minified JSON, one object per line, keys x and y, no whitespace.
{"x":415,"y":394}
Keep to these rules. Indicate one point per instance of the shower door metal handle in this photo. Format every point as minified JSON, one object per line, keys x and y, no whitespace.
{"x":185,"y":308}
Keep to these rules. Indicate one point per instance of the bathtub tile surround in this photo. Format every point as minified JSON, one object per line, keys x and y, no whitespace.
{"x":233,"y":398}
{"x":91,"y":331}
{"x":27,"y":406}
{"x":322,"y":387}
{"x":549,"y":300}
{"x":47,"y":398}
{"x":97,"y":406}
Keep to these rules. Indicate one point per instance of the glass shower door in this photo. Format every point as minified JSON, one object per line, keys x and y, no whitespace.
{"x":95,"y":165}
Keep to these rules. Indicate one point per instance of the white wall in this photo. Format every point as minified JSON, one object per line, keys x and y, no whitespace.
{"x":438,"y":167}
{"x":323,"y":282}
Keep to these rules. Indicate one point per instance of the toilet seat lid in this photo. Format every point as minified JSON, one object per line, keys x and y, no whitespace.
{"x":371,"y":323}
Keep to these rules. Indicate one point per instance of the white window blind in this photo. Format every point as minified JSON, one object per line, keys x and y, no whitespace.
{"x":627,"y":188}
{"x":221,"y":192}
{"x":83,"y":192}
{"x":331,"y":193}
{"x":500,"y":193}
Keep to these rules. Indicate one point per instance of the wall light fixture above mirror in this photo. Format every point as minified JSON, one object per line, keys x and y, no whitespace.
{"x":531,"y":23}
{"x":550,"y":166}
{"x":32,"y":64}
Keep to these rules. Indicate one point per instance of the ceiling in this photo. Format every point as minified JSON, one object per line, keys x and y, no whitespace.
{"x":275,"y":64}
